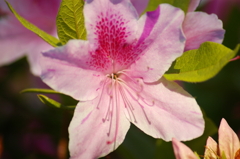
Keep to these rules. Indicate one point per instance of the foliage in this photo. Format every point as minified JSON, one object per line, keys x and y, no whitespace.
{"x":45,"y":36}
{"x":70,"y":21}
{"x":201,"y":64}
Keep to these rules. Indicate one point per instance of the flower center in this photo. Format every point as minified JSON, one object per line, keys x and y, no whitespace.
{"x":113,"y":76}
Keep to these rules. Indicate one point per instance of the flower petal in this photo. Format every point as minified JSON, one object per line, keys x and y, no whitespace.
{"x":162,"y":35}
{"x":181,"y":151}
{"x":164,"y":110}
{"x":193,"y":5}
{"x":211,"y":150}
{"x":140,"y":5}
{"x":92,"y":132}
{"x":107,"y":13}
{"x":228,"y":140}
{"x":17,"y":41}
{"x":34,"y":53}
{"x":11,"y":51}
{"x":200,"y":27}
{"x":112,"y":30}
{"x":65,"y":70}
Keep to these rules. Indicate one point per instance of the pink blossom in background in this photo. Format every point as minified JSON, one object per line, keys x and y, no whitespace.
{"x":228,"y":147}
{"x":222,"y":8}
{"x":15,"y":40}
{"x":228,"y":143}
{"x":181,"y":151}
{"x":117,"y":77}
{"x":200,"y":27}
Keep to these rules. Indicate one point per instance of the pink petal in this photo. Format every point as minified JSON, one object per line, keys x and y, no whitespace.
{"x":228,"y":140}
{"x":211,"y":150}
{"x":18,"y":48}
{"x":42,"y":13}
{"x":161,"y":33}
{"x":34,"y":53}
{"x":193,"y":5}
{"x":65,"y":70}
{"x":181,"y":151}
{"x":112,"y":30}
{"x":200,"y":27}
{"x":89,"y":131}
{"x":140,"y":5}
{"x":164,"y":110}
{"x":106,"y":12}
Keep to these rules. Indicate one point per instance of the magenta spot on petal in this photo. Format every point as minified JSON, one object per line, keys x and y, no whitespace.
{"x":112,"y":33}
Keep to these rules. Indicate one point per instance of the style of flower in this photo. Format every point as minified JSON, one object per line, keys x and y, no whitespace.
{"x":17,"y":41}
{"x":117,"y":77}
{"x":228,"y":147}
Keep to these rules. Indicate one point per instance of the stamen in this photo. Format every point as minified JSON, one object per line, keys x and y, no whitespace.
{"x":127,"y":104}
{"x":112,"y":106}
{"x":215,"y":153}
{"x":108,"y":111}
{"x":115,"y":96}
{"x":128,"y":89}
{"x":132,"y":80}
{"x":105,"y":81}
{"x":152,"y":104}
{"x":145,"y":114}
{"x":110,"y":126}
{"x":130,"y":86}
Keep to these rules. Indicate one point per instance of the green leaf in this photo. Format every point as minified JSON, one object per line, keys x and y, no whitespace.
{"x":70,"y":20}
{"x":223,"y":155}
{"x":52,"y":103}
{"x":183,"y":4}
{"x":201,"y":64}
{"x":45,"y":36}
{"x":197,"y":155}
{"x":39,"y":90}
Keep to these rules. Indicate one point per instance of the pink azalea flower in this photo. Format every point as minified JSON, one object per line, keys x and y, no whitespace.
{"x":17,"y":41}
{"x":200,"y":27}
{"x":117,"y":76}
{"x":228,"y":143}
{"x":181,"y":151}
{"x":218,"y":6}
{"x":228,"y":147}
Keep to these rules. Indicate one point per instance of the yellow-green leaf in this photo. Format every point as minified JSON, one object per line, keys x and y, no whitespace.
{"x":201,"y":64}
{"x":45,"y":36}
{"x":183,"y":4}
{"x":52,"y":103}
{"x":70,"y":20}
{"x":39,"y":90}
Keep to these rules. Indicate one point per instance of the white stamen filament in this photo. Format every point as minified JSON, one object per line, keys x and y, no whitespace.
{"x":128,"y":105}
{"x":117,"y":88}
{"x":105,"y":81}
